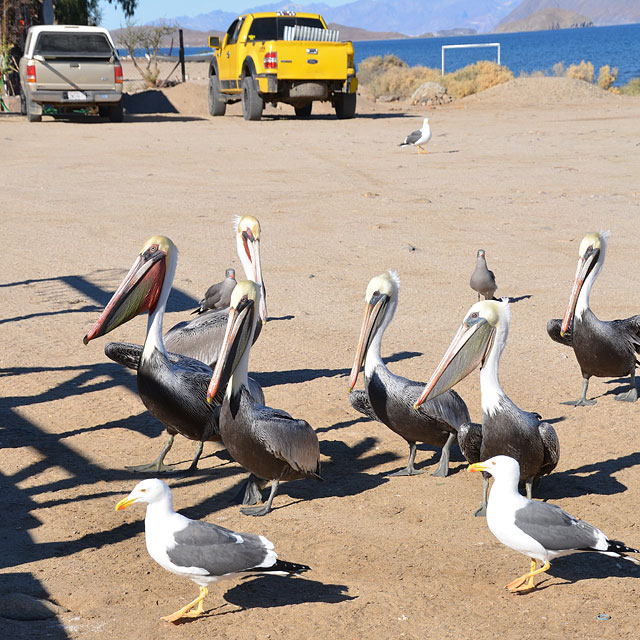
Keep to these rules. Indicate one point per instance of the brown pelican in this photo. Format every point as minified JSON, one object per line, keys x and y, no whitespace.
{"x":606,"y":349}
{"x":201,"y":337}
{"x":267,"y":442}
{"x":506,"y":429}
{"x":482,"y":280}
{"x":391,"y":397}
{"x":218,"y":295}
{"x":419,"y":137}
{"x":172,"y":389}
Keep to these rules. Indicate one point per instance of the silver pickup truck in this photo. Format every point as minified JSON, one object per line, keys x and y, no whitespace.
{"x":70,"y":67}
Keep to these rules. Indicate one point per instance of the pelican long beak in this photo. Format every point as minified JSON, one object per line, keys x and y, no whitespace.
{"x":138,"y":293}
{"x":585,"y":265}
{"x":468,"y":349}
{"x":236,"y":340}
{"x":477,"y":466}
{"x":251,"y":245}
{"x":373,"y":314}
{"x":124,"y":503}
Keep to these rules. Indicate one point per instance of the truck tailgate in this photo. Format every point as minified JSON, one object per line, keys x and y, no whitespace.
{"x":60,"y":74}
{"x":312,"y":60}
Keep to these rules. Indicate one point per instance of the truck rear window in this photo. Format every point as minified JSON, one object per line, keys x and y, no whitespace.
{"x":63,"y":44}
{"x":273,"y":28}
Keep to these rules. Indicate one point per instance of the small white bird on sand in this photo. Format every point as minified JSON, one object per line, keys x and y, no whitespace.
{"x":419,"y":137}
{"x":539,"y":530}
{"x":201,"y":551}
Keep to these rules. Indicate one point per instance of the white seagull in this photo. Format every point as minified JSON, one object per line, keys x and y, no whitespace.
{"x":539,"y":530}
{"x":419,"y":137}
{"x":201,"y":551}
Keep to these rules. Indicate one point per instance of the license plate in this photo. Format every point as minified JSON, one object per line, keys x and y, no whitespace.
{"x":76,"y":95}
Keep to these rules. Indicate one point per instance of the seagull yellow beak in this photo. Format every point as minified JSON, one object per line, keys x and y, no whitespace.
{"x":124,"y":503}
{"x":477,"y":466}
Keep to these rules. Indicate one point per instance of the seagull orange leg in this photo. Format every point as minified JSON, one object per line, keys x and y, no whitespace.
{"x":525,"y":582}
{"x":186,"y":612}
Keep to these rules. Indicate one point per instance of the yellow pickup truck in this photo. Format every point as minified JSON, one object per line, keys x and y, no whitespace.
{"x":282,"y":56}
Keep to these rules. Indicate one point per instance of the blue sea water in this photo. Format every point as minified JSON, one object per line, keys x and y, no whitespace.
{"x":617,"y":46}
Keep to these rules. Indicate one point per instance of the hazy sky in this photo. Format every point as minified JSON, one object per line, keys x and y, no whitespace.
{"x":149,"y":10}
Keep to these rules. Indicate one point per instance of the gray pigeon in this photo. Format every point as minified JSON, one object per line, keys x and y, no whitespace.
{"x":482,"y":280}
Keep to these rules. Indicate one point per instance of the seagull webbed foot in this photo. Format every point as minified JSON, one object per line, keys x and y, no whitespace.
{"x":187,"y":611}
{"x":525,"y":583}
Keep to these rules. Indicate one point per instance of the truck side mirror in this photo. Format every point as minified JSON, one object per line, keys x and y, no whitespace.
{"x":214,"y":42}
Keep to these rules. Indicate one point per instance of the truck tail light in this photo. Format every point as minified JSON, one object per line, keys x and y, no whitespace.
{"x":271,"y":60}
{"x":117,"y":73}
{"x":31,"y":73}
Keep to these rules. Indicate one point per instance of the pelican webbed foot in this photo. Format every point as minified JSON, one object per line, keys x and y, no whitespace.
{"x":442,"y":470}
{"x":482,"y":511}
{"x":158,"y":465}
{"x":252,"y":490}
{"x":262,"y":510}
{"x":582,"y":401}
{"x":628,"y":396}
{"x":409,"y":470}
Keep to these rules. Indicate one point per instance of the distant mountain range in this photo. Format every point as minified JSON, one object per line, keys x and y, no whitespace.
{"x":545,"y":20}
{"x":416,"y":17}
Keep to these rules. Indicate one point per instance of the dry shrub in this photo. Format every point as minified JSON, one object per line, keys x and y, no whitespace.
{"x":476,"y":77}
{"x":607,"y":76}
{"x":582,"y":71}
{"x":632,"y":88}
{"x":558,"y":70}
{"x":375,"y":66}
{"x":380,"y":76}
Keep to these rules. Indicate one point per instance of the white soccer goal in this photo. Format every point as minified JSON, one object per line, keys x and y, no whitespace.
{"x":469,"y":46}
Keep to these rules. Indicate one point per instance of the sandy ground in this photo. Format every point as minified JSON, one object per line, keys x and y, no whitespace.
{"x":512,"y":171}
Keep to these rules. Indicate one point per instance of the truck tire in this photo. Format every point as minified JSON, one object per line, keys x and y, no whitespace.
{"x":116,"y":112}
{"x":217,"y":106}
{"x":34,"y":111}
{"x":345,"y":105}
{"x":305,"y":111}
{"x":252,"y":103}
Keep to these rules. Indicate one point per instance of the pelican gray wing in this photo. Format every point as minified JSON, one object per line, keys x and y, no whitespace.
{"x":629,"y":329}
{"x":199,"y":338}
{"x":289,"y":439}
{"x":470,"y":441}
{"x":128,"y":355}
{"x":551,"y":447}
{"x":360,"y":402}
{"x":553,"y":329}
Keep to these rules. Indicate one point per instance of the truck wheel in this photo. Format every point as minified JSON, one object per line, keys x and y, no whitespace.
{"x":252,"y":103}
{"x":116,"y":112}
{"x":34,"y":111}
{"x":345,"y":105}
{"x":304,"y":112}
{"x":217,"y":106}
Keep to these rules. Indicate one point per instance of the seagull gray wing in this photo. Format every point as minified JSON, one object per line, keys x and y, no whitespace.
{"x":217,"y":550}
{"x":553,"y":329}
{"x":413,"y":137}
{"x":199,"y":338}
{"x":555,"y":529}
